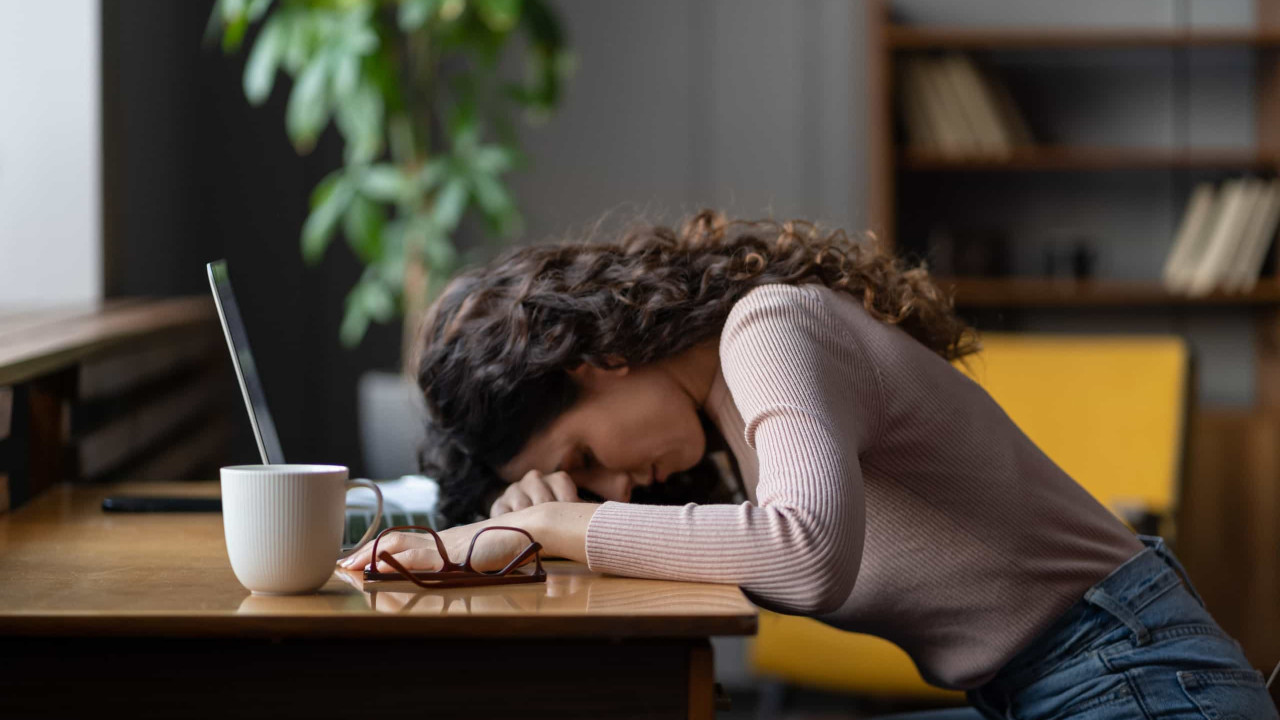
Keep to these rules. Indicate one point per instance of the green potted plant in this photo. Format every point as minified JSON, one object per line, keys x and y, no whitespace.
{"x":418,"y":93}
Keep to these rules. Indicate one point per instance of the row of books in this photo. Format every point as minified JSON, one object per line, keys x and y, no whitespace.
{"x":950,"y":107}
{"x":1223,"y":238}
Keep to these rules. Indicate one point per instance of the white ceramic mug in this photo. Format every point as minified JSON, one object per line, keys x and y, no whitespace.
{"x":284,"y":523}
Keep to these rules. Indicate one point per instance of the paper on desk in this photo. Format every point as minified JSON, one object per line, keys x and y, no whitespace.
{"x":409,"y":500}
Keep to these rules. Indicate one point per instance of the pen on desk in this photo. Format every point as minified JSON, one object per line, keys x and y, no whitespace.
{"x":144,"y":504}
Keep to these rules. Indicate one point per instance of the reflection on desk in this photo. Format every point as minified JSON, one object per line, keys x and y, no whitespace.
{"x":570,"y":589}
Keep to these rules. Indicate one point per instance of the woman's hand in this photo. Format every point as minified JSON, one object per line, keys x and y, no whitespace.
{"x":417,"y":551}
{"x":534,"y":489}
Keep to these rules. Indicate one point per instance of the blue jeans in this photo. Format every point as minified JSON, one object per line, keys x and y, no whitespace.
{"x":1138,"y":645}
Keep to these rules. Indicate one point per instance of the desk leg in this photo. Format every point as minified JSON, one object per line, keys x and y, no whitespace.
{"x":702,"y":681}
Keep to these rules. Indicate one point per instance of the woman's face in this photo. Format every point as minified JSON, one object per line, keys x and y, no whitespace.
{"x":629,"y":427}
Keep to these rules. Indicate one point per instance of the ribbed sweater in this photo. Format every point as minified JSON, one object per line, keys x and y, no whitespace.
{"x":889,"y":494}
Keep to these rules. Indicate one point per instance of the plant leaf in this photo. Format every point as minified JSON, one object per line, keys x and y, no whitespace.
{"x":346,"y":74}
{"x":307,"y":111}
{"x":432,"y":173}
{"x":328,"y":202}
{"x":355,"y":322}
{"x":257,"y":8}
{"x":494,"y":159}
{"x":496,"y":203}
{"x":360,"y":118}
{"x":500,"y":16}
{"x":450,"y":203}
{"x":384,"y":183}
{"x":439,"y":252}
{"x":415,"y":13}
{"x":363,"y":223}
{"x":377,"y":299}
{"x":264,"y":59}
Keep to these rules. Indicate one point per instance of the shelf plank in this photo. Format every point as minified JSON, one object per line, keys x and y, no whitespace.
{"x":1018,"y":292}
{"x":1058,"y":158}
{"x":36,"y":342}
{"x":903,"y":37}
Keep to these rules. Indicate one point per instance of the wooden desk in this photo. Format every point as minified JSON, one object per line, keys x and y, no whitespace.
{"x":142,"y":614}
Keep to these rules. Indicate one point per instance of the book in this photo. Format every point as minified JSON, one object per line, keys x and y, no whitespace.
{"x":949,"y":123}
{"x":1010,"y":114}
{"x":1261,"y":231}
{"x":915,"y":115}
{"x":1238,"y":200}
{"x":1195,"y":225}
{"x":989,"y":137}
{"x":953,"y":104}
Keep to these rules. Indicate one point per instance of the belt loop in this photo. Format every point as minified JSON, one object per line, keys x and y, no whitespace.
{"x":1162,"y":550}
{"x":1099,"y":597}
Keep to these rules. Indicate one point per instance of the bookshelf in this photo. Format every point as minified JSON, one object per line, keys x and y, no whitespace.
{"x":890,"y":43}
{"x":1058,"y":158}
{"x":1066,"y":293}
{"x":1231,"y":484}
{"x":915,"y":38}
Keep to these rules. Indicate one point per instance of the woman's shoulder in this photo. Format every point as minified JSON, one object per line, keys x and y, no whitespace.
{"x":778,"y":298}
{"x":800,"y":344}
{"x":802,"y":308}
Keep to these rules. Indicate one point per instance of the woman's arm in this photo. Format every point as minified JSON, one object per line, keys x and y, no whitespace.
{"x":560,"y":527}
{"x":810,"y":399}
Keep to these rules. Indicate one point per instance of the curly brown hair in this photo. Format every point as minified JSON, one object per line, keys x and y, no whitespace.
{"x":497,"y":343}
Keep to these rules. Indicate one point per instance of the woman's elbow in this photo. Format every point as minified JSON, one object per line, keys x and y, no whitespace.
{"x":828,"y":576}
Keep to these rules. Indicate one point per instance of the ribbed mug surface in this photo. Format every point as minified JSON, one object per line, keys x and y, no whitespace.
{"x":283,"y":524}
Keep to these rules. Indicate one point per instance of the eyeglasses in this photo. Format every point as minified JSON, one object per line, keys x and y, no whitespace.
{"x":453,"y":574}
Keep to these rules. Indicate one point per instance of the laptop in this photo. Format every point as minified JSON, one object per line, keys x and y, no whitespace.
{"x":407,"y":501}
{"x":264,"y":428}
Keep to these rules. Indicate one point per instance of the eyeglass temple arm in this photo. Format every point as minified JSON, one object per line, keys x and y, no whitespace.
{"x":534,"y":546}
{"x":520,"y":559}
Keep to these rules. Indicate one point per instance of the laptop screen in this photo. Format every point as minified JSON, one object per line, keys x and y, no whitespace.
{"x":264,"y":430}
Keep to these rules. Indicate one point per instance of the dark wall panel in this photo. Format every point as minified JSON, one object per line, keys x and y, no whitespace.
{"x":193,"y":173}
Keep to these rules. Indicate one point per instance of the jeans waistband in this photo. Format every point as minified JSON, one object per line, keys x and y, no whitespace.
{"x":1123,"y":594}
{"x":1138,"y":582}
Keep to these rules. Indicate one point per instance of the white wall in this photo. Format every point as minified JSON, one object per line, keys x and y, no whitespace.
{"x":50,"y":152}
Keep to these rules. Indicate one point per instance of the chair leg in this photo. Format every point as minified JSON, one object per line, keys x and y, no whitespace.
{"x":774,"y":697}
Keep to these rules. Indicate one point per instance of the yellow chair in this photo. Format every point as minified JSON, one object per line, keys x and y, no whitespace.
{"x":1110,"y":410}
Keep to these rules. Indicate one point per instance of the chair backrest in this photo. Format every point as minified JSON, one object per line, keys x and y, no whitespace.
{"x":1109,"y":409}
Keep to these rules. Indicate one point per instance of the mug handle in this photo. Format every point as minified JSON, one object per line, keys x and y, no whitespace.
{"x":377,"y":514}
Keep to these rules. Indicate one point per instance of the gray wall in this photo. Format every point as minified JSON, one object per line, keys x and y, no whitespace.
{"x":753,"y":107}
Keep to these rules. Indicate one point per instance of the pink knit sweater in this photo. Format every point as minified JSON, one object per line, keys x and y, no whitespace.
{"x":890,"y":495}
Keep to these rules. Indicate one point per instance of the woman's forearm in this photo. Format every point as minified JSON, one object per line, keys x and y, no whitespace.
{"x":561,"y":527}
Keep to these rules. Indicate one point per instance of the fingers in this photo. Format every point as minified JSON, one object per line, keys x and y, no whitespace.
{"x":562,"y":487}
{"x":500,"y":507}
{"x":536,"y":490}
{"x":415,"y":559}
{"x":512,"y":499}
{"x":391,"y":542}
{"x":517,"y":499}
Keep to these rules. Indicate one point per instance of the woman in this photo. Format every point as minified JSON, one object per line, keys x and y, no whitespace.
{"x":888,"y":493}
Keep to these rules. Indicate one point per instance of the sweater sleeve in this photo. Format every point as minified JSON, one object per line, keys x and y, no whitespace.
{"x":809,"y":401}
